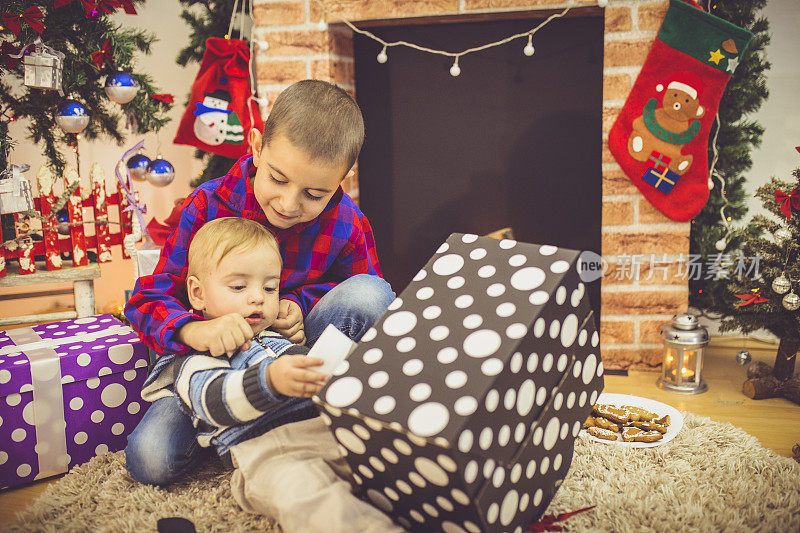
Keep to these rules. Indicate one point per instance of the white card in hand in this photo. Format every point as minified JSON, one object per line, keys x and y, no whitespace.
{"x":333,"y":347}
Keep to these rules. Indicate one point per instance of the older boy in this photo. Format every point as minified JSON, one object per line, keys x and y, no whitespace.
{"x":254,"y":407}
{"x":330,"y":274}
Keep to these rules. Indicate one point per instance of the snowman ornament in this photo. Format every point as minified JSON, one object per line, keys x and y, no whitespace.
{"x":214,"y":122}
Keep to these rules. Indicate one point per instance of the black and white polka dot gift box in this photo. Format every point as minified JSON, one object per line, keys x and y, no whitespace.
{"x":458,"y":411}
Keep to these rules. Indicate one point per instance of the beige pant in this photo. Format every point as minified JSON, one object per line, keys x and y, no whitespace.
{"x":295,"y":474}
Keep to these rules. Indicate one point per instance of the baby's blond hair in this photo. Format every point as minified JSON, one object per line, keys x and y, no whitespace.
{"x":217,"y":238}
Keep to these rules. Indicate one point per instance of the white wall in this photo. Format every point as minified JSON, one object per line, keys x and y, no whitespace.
{"x":780,"y":114}
{"x":162,"y":18}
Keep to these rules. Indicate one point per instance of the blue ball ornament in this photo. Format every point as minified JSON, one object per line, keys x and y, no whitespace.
{"x":72,"y":116}
{"x":121,"y":87}
{"x":63,"y":220}
{"x":137,"y":165}
{"x":160,"y":172}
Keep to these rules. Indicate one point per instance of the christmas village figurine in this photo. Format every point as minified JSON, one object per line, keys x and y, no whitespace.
{"x":15,"y":190}
{"x":216,"y":123}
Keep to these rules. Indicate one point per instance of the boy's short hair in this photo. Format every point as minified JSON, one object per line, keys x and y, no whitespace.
{"x":321,"y":119}
{"x":217,"y":238}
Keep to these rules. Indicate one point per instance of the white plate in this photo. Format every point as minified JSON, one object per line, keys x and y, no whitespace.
{"x":661,"y":409}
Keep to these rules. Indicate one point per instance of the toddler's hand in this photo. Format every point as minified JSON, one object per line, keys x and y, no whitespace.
{"x":290,"y":375}
{"x":290,"y":322}
{"x":222,"y":335}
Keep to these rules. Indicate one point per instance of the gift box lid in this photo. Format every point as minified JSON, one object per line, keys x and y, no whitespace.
{"x":88,"y":348}
{"x":484,"y":303}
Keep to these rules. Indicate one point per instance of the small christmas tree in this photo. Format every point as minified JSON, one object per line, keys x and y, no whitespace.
{"x":738,"y":135}
{"x":770,"y":300}
{"x":77,"y":29}
{"x":207,"y":18}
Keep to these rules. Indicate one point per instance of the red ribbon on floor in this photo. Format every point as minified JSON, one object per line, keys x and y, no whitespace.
{"x":32,"y":16}
{"x":163,"y":97}
{"x":752,"y":297}
{"x":788,"y":201}
{"x":547,"y":523}
{"x":103,"y":55}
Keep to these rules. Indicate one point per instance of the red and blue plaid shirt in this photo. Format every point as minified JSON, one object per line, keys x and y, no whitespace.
{"x":317,"y":255}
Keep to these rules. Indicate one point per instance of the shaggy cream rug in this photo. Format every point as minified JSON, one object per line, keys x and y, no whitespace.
{"x":711,"y":477}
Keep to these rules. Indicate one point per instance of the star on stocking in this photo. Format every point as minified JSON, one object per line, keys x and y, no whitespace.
{"x":716,"y":56}
{"x":733,"y":62}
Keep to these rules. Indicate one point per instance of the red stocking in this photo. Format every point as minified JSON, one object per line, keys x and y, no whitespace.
{"x":660,"y":138}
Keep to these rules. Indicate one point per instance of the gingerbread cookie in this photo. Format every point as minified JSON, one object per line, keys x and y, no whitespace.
{"x":650,"y":426}
{"x":613,"y":413}
{"x":640,"y":415}
{"x":601,"y":433}
{"x":606,"y":424}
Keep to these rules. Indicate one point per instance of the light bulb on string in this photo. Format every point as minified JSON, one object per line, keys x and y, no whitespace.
{"x":602,"y":3}
{"x":455,"y":70}
{"x":263,"y":45}
{"x":382,"y":57}
{"x":528,"y":50}
{"x":322,"y":25}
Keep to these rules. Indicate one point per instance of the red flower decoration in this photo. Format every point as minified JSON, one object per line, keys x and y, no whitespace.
{"x":752,"y":297}
{"x":7,"y":51}
{"x":32,"y":16}
{"x":788,"y":201}
{"x":88,"y":5}
{"x":103,"y":55}
{"x":163,"y":97}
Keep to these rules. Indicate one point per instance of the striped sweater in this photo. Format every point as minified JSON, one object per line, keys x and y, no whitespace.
{"x":229,"y":399}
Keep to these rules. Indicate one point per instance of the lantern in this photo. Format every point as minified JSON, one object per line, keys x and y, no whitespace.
{"x":684,"y":341}
{"x":43,"y":67}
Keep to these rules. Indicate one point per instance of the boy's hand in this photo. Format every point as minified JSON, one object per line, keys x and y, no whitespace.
{"x":290,"y":375}
{"x":222,"y":335}
{"x":290,"y":322}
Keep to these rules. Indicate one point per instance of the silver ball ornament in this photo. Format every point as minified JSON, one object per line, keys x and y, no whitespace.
{"x":781,"y":284}
{"x":72,"y":116}
{"x":743,"y":357}
{"x":160,"y":172}
{"x":791,"y":301}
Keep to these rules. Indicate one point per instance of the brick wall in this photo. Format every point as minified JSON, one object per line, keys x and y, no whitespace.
{"x":633,"y":307}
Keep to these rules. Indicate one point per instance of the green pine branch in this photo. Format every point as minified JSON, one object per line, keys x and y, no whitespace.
{"x":738,"y":136}
{"x":206,"y":19}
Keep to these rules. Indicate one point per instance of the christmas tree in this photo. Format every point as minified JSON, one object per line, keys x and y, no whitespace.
{"x":769,"y":298}
{"x":93,"y":47}
{"x":207,"y":19}
{"x":737,"y":136}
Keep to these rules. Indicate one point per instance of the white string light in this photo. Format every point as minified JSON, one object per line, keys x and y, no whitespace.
{"x":455,"y":70}
{"x":726,"y":221}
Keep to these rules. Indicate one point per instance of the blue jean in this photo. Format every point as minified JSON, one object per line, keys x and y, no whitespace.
{"x":164,"y":444}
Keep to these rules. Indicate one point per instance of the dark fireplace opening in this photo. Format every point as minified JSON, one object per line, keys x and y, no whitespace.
{"x":513,"y":141}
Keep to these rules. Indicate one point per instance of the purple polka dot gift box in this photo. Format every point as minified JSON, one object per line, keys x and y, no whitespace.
{"x":68,"y":391}
{"x":459,"y":410}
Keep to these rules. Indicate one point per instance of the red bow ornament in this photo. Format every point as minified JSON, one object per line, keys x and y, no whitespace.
{"x":88,"y":5}
{"x":32,"y":16}
{"x":103,"y":55}
{"x":788,"y":201}
{"x":163,"y":97}
{"x":752,"y":297}
{"x":10,"y":55}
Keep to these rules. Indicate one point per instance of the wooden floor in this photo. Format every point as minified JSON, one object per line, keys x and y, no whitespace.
{"x":775,"y":422}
